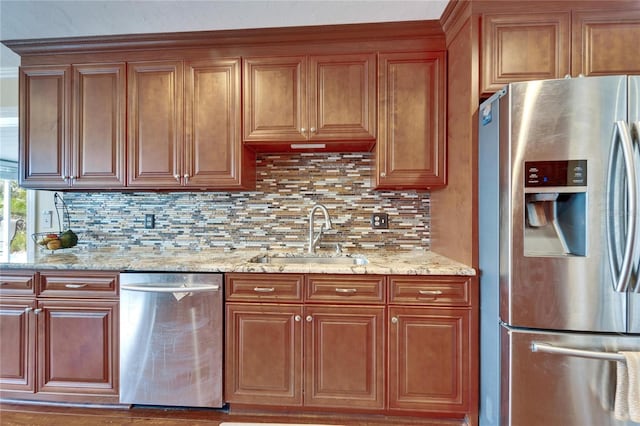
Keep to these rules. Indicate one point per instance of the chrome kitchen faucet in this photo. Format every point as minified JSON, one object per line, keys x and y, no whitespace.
{"x":313,"y":240}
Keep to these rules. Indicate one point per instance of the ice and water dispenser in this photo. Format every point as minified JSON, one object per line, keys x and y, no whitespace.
{"x":555,"y":199}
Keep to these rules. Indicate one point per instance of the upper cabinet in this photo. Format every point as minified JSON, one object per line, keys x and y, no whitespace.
{"x":518,"y":47}
{"x":155,"y":124}
{"x":184,"y":126}
{"x":605,"y":42}
{"x":189,"y":111}
{"x":310,"y":102}
{"x":214,"y":156}
{"x":411,"y":153}
{"x":72,"y":126}
{"x":530,"y":45}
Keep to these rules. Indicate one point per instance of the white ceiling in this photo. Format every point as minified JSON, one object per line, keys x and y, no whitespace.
{"x":21,"y":19}
{"x":26,"y":19}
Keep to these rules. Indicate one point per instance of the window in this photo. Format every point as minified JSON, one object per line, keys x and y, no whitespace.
{"x":13,"y":236}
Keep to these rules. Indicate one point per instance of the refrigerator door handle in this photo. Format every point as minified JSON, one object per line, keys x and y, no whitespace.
{"x":622,"y":277}
{"x":582,"y":353}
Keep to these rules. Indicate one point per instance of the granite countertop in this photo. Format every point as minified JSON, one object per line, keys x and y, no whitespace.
{"x":416,"y":262}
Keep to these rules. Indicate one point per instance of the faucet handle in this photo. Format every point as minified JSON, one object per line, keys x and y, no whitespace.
{"x":338,"y":248}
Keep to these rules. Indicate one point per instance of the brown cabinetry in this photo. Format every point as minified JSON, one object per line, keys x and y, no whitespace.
{"x":184,"y":126}
{"x":280,"y":343}
{"x":291,"y":102}
{"x":155,"y":137}
{"x":429,"y":344}
{"x":63,"y":338}
{"x":410,"y":152}
{"x":534,"y":45}
{"x":519,"y":47}
{"x":604,"y":42}
{"x":397,"y":344}
{"x":72,"y":126}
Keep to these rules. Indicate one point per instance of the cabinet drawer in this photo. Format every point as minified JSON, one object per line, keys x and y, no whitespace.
{"x":431,"y":290}
{"x":346,"y":288}
{"x":85,"y":284}
{"x":18,"y":282}
{"x":277,"y":287}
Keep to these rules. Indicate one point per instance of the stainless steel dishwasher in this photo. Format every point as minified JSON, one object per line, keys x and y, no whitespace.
{"x":171,"y":339}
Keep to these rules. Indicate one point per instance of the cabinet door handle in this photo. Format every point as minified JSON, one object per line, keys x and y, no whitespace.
{"x":313,"y":130}
{"x":430,"y":292}
{"x":297,"y":318}
{"x":383,"y":174}
{"x":28,"y":309}
{"x":176,"y":177}
{"x":186,"y":178}
{"x":303,"y":130}
{"x":37,"y":311}
{"x":346,"y":290}
{"x":394,"y":320}
{"x":309,"y":318}
{"x":264,"y":289}
{"x":75,"y":285}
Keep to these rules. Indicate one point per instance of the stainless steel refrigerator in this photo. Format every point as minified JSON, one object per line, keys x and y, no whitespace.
{"x":559,"y":230}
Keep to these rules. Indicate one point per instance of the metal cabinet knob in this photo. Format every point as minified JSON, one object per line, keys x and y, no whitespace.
{"x":309,"y":318}
{"x":394,"y":320}
{"x":297,"y":318}
{"x":303,"y":130}
{"x":313,"y":130}
{"x":383,"y":174}
{"x":37,"y":311}
{"x":176,"y":177}
{"x":28,"y":309}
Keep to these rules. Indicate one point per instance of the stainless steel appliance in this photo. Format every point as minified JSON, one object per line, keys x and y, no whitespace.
{"x":171,"y":339}
{"x":559,"y":228}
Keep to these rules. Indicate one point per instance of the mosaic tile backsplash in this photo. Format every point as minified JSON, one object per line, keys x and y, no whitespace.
{"x":274,"y":216}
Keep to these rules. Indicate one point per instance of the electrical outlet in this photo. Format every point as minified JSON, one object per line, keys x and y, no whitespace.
{"x":149,"y":221}
{"x":379,"y":221}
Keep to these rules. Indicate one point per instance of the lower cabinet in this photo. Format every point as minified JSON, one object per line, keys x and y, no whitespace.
{"x":351,"y":343}
{"x":427,"y":359}
{"x":62,"y":348}
{"x":284,"y":351}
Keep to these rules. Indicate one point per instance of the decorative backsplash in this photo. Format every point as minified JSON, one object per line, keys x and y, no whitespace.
{"x":274,"y":216}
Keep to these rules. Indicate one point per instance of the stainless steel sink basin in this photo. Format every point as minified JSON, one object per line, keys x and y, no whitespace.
{"x":310,"y":259}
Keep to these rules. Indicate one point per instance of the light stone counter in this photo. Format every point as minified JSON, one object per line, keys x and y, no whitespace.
{"x":379,"y":262}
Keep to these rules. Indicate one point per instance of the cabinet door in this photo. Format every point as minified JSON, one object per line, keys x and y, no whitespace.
{"x":275,"y":99}
{"x":521,"y":47}
{"x":342,"y":97}
{"x":17,"y":350}
{"x":155,"y":124}
{"x":45,"y":95}
{"x":410,"y":152}
{"x":344,"y":357}
{"x":214,"y":155}
{"x":263,"y":354}
{"x":99,"y":106}
{"x":428,"y":359}
{"x":605,"y":42}
{"x":77,"y":347}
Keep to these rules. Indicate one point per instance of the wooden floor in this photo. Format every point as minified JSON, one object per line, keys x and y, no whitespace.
{"x":41,"y":415}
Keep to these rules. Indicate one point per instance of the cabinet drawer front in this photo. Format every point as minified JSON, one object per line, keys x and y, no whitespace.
{"x":84,"y":284}
{"x":17,"y":283}
{"x":346,"y":288}
{"x":432,"y":290}
{"x":277,"y":287}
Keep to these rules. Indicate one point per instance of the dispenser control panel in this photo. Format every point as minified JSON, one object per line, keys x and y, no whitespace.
{"x":555,"y":173}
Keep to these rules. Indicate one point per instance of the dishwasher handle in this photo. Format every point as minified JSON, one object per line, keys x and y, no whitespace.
{"x":160,"y":289}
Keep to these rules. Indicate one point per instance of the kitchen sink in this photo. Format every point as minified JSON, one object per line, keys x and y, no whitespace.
{"x":310,"y":259}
